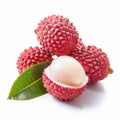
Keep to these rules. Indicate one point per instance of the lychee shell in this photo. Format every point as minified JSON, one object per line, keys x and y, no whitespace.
{"x":95,"y":62}
{"x":31,"y":56}
{"x":57,"y":35}
{"x":61,"y":92}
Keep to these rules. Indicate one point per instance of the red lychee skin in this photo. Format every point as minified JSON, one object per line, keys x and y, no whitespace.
{"x":61,"y":92}
{"x":57,"y":35}
{"x":80,"y":44}
{"x":31,"y":56}
{"x":94,"y":61}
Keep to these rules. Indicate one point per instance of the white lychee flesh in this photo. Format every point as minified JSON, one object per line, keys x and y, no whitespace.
{"x":66,"y":71}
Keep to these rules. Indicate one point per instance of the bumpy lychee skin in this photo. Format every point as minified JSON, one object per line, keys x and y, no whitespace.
{"x":80,"y":44}
{"x":94,"y":61}
{"x":31,"y":56}
{"x":57,"y":35}
{"x":65,"y":78}
{"x":60,"y":92}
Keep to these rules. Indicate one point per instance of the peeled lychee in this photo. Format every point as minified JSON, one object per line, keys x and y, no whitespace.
{"x":57,"y":35}
{"x":94,"y":61}
{"x":31,"y":56}
{"x":65,"y":78}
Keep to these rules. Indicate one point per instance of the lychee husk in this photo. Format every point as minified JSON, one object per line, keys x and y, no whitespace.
{"x":95,"y":62}
{"x":62,"y":92}
{"x":57,"y":35}
{"x":31,"y":56}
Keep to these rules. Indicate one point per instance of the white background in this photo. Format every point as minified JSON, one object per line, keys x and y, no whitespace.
{"x":98,"y":23}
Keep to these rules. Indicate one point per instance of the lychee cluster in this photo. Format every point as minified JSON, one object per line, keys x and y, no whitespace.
{"x":76,"y":66}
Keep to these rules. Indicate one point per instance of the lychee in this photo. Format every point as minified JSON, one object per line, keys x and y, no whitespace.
{"x":57,"y":35}
{"x":65,"y":78}
{"x":94,"y":61}
{"x":31,"y":56}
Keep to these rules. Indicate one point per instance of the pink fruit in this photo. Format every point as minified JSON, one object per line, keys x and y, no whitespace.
{"x":31,"y":56}
{"x":57,"y":35}
{"x":65,"y":78}
{"x":94,"y":61}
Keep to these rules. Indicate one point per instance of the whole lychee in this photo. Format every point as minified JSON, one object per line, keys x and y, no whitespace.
{"x":94,"y":61}
{"x":57,"y":35}
{"x":31,"y":56}
{"x":65,"y":78}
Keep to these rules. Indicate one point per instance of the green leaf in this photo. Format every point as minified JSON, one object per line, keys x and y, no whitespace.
{"x":29,"y":85}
